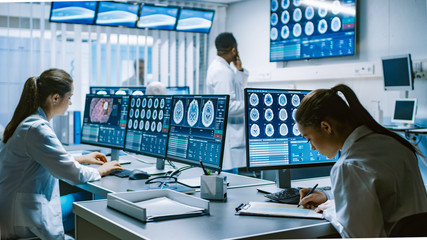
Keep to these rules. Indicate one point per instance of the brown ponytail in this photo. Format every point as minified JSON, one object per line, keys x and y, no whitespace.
{"x":322,"y":103}
{"x":34,"y":95}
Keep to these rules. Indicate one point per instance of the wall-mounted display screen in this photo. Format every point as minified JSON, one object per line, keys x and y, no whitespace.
{"x":272,"y":135}
{"x":101,"y":90}
{"x":117,"y":14}
{"x":397,"y":72}
{"x":158,"y":17}
{"x":195,"y":20}
{"x":305,"y":29}
{"x":73,"y":12}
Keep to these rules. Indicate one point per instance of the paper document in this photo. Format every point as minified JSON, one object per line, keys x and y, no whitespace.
{"x":163,"y":207}
{"x":276,"y":209}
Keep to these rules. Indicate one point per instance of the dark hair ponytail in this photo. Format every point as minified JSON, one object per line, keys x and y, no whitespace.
{"x":34,"y":95}
{"x":322,"y":103}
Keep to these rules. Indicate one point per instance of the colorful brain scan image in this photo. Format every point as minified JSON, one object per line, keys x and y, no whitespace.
{"x":296,"y":100}
{"x":309,"y":28}
{"x":268,"y":99}
{"x":274,"y":19}
{"x":283,"y":115}
{"x":100,"y":109}
{"x":208,"y":114}
{"x":283,"y":129}
{"x":297,"y":15}
{"x":253,"y":99}
{"x":193,"y":113}
{"x":255,"y":130}
{"x":254,"y":114}
{"x":297,"y":30}
{"x":269,"y":130}
{"x":285,"y":17}
{"x":269,"y":115}
{"x":323,"y":26}
{"x":178,"y":112}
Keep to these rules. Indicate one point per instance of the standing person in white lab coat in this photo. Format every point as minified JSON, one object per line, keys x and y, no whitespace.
{"x":376,"y":180}
{"x":32,"y":159}
{"x":224,"y":78}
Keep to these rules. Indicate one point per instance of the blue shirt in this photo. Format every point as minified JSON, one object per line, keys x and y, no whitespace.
{"x":31,"y":162}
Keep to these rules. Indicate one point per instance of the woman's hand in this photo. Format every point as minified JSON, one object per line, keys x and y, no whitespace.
{"x":92,"y":158}
{"x":106,"y":168}
{"x":313,"y":200}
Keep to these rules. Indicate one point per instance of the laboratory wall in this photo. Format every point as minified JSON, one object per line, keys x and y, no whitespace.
{"x":384,"y":28}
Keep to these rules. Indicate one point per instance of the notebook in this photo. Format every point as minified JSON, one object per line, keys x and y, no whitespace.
{"x":276,"y":209}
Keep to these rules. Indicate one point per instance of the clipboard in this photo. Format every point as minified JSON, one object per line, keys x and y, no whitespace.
{"x":276,"y":210}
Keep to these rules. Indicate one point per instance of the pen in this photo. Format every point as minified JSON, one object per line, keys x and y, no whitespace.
{"x":203,"y":167}
{"x":310,"y":192}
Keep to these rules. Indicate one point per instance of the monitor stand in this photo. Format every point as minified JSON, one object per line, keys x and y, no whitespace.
{"x":115,"y":153}
{"x":283,"y":178}
{"x":160,"y":164}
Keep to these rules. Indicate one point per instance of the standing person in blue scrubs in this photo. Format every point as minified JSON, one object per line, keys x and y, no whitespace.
{"x":32,"y":159}
{"x":226,"y":78}
{"x":376,"y":181}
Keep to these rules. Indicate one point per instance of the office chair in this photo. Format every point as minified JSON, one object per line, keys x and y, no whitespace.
{"x":411,"y":226}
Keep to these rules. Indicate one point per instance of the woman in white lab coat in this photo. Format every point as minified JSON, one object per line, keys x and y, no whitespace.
{"x":32,"y":159}
{"x":376,"y":180}
{"x":222,"y":78}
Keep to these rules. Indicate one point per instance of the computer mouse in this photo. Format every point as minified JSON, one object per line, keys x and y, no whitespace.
{"x":137,"y":174}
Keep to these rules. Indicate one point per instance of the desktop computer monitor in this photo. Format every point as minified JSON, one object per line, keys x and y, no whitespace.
{"x":197,"y":129}
{"x":104,"y":121}
{"x":397,"y":72}
{"x":273,"y":139}
{"x":404,"y":111}
{"x":177,"y":90}
{"x":102,"y":90}
{"x":148,"y":125}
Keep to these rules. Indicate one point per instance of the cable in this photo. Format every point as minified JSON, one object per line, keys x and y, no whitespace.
{"x":178,"y":171}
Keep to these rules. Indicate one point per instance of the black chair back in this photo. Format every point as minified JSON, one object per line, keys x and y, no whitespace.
{"x":411,"y":226}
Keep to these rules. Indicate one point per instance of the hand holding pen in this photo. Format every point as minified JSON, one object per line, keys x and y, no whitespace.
{"x":306,"y":195}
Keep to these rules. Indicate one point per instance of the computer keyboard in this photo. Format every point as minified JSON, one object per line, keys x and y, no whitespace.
{"x":287,"y":195}
{"x":121,"y":173}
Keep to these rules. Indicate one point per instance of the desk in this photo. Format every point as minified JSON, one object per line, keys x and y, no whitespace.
{"x":94,"y":220}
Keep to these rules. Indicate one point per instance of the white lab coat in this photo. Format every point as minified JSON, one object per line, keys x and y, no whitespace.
{"x":30,"y":164}
{"x":375,"y":183}
{"x":223,"y":79}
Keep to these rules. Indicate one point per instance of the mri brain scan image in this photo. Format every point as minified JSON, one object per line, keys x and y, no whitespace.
{"x":296,"y":130}
{"x":156,"y":102}
{"x":193,"y":113}
{"x":254,"y":99}
{"x":269,"y":130}
{"x":274,"y":34}
{"x":254,"y":114}
{"x":132,"y":103}
{"x":282,"y":100}
{"x":268,"y":99}
{"x":178,"y":112}
{"x":162,"y":103}
{"x":137,"y":113}
{"x":135,"y":125}
{"x":144,"y":102}
{"x":153,"y":126}
{"x":255,"y":130}
{"x":283,"y":115}
{"x":141,"y":124}
{"x":161,"y":115}
{"x":131,"y":112}
{"x":269,"y":115}
{"x":295,"y":100}
{"x":142,"y":113}
{"x":148,"y":114}
{"x":147,"y":125}
{"x":154,"y":114}
{"x":138,"y":102}
{"x":150,"y":103}
{"x":159,"y":127}
{"x":283,"y":129}
{"x":294,"y":113}
{"x":130,"y":123}
{"x":208,"y":114}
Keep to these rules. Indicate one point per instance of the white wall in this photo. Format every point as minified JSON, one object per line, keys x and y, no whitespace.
{"x":385,"y":27}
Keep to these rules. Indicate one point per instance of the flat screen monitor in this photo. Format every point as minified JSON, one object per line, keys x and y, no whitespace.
{"x":73,"y":12}
{"x":312,"y":29}
{"x":117,"y":14}
{"x":273,"y":139}
{"x":195,"y":20}
{"x":177,"y":90}
{"x":158,"y":17}
{"x":148,"y":125}
{"x":101,"y":90}
{"x":404,"y":111}
{"x":197,"y":129}
{"x":397,"y":72}
{"x":104,"y":120}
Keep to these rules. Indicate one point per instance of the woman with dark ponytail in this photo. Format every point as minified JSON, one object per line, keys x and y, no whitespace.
{"x":376,"y":180}
{"x":32,"y":159}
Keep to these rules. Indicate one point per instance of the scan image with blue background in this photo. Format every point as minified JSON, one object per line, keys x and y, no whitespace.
{"x":117,"y":14}
{"x":73,"y":12}
{"x":148,"y":125}
{"x":197,"y":129}
{"x":191,"y":20}
{"x":104,"y":120}
{"x":157,"y":17}
{"x":273,"y":135}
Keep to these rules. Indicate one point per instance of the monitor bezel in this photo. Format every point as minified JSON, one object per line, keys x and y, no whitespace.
{"x":127,"y":120}
{"x":119,"y":3}
{"x":414,"y":111}
{"x":196,"y":163}
{"x":277,"y":167}
{"x":93,"y":20}
{"x":194,"y":9}
{"x":118,"y":87}
{"x":101,"y":144}
{"x":355,"y":45}
{"x":409,"y":87}
{"x":159,"y":6}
